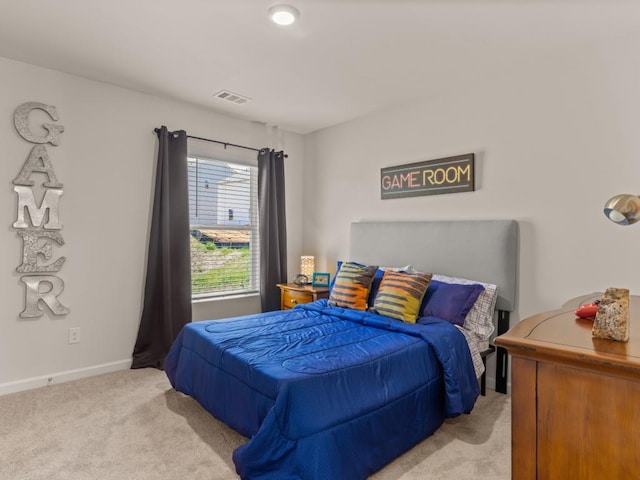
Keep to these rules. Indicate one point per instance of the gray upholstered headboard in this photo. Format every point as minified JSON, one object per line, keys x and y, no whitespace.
{"x":482,"y":250}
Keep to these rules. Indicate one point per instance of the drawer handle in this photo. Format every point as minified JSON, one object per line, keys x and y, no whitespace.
{"x":294,"y":301}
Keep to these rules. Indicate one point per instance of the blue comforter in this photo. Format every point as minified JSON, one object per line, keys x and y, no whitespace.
{"x":324,"y":392}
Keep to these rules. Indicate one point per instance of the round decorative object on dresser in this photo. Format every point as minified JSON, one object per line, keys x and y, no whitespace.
{"x":301,"y":279}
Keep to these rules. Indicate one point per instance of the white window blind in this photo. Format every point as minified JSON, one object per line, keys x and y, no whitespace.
{"x":223,"y":213}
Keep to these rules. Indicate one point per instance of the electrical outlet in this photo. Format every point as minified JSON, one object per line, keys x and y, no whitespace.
{"x":74,"y":335}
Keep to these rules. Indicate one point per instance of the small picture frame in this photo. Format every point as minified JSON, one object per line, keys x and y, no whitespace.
{"x":320,"y":279}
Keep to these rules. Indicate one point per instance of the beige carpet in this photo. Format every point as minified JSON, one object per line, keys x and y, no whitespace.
{"x":131,"y":425}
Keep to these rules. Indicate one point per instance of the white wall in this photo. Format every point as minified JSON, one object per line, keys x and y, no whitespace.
{"x":106,"y":162}
{"x":554,"y":138}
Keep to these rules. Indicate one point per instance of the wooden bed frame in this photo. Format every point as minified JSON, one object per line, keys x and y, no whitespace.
{"x":482,"y":250}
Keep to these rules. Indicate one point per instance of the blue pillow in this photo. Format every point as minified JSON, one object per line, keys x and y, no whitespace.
{"x":450,"y":301}
{"x":433,"y":286}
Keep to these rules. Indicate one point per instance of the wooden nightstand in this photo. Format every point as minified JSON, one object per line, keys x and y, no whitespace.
{"x":292,"y":294}
{"x":575,"y":398}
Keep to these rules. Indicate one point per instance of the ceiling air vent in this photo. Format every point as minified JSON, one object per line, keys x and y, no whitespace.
{"x":232,"y":97}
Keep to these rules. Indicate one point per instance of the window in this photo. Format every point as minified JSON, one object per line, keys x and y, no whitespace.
{"x":223,"y":217}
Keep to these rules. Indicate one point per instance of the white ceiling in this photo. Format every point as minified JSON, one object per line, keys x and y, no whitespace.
{"x":342,"y":60}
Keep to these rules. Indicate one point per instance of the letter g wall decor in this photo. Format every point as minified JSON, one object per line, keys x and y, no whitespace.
{"x":38,"y":235}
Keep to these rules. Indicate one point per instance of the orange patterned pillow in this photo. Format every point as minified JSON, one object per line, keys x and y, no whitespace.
{"x":400,"y":295}
{"x":351,"y":287}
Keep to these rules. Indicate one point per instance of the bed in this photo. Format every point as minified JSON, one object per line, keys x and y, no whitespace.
{"x":324,"y":391}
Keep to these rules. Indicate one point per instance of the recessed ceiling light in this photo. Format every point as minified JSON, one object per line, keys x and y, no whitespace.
{"x":283,"y":14}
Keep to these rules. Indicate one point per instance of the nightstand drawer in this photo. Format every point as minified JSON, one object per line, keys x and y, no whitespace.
{"x":292,"y":294}
{"x":291,"y":298}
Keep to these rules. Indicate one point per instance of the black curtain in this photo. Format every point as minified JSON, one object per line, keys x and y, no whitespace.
{"x":167,"y":293}
{"x":273,"y":227}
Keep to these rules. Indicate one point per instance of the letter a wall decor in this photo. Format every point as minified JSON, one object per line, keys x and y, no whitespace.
{"x":38,"y":221}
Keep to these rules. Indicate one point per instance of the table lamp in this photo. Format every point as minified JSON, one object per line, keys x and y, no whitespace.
{"x":307,"y":265}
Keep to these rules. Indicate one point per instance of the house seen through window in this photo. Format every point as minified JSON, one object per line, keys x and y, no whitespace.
{"x":223,"y":217}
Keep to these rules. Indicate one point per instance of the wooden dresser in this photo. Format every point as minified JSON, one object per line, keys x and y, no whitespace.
{"x":292,"y":294}
{"x":575,"y":399}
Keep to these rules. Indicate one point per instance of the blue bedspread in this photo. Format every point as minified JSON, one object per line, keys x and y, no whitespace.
{"x":324,"y":392}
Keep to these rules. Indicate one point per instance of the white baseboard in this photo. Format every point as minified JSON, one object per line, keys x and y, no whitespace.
{"x":61,"y":377}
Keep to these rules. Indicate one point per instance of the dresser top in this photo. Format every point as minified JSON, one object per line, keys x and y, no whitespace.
{"x":561,"y":334}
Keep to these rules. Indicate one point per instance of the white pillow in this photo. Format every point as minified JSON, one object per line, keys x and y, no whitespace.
{"x":480,"y":317}
{"x":406,"y":268}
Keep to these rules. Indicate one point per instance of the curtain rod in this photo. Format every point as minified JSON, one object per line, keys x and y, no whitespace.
{"x":226,"y":144}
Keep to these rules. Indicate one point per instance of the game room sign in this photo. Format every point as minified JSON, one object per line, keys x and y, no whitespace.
{"x":431,"y":177}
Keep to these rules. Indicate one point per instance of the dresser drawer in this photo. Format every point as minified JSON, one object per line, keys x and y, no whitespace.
{"x":291,"y":298}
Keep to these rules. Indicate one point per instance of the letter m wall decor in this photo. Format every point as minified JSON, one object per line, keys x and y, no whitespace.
{"x":431,"y":177}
